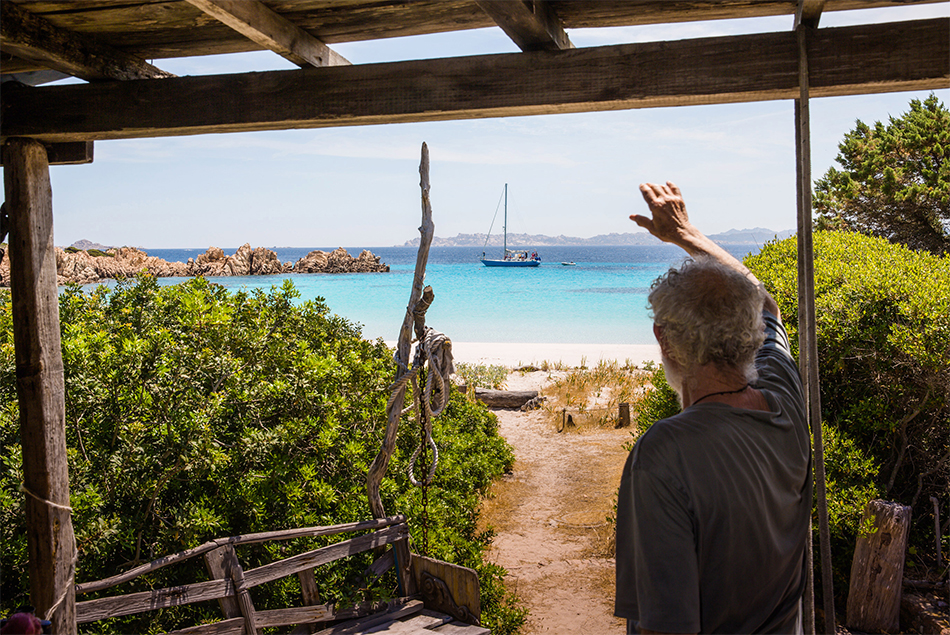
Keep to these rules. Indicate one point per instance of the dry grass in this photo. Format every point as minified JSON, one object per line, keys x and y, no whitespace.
{"x":591,"y":397}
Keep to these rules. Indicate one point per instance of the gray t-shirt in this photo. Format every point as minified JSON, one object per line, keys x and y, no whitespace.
{"x":715,"y":508}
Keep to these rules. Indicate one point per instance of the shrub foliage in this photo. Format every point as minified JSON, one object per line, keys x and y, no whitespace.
{"x":194,"y":413}
{"x":883,"y":328}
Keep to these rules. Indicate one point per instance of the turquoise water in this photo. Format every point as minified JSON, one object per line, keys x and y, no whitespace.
{"x":601,"y":300}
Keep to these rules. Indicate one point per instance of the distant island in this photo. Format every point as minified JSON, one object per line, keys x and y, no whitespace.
{"x":754,"y":236}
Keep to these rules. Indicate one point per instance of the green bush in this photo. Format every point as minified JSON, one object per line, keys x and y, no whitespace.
{"x":883,"y":328}
{"x":481,"y":375}
{"x":194,"y":413}
{"x":659,"y":401}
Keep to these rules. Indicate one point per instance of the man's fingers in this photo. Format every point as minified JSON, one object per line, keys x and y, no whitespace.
{"x":642,"y":221}
{"x":652,"y":193}
{"x":675,"y":190}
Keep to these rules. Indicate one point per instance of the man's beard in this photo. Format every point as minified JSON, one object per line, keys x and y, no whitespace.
{"x":673,"y":377}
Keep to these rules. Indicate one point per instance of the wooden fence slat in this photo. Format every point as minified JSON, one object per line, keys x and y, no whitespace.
{"x":295,"y":615}
{"x":233,"y":626}
{"x":317,"y":557}
{"x":243,"y":539}
{"x":129,"y":604}
{"x":232,"y":581}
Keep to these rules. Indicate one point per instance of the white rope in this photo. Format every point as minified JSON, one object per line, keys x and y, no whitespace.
{"x":75,"y":556}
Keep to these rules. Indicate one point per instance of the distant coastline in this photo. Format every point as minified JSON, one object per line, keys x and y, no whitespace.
{"x":753,"y":236}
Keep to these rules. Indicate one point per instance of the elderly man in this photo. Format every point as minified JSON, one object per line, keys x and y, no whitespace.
{"x":715,"y":502}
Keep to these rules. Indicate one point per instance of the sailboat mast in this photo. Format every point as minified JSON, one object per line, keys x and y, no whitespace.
{"x":505,"y":253}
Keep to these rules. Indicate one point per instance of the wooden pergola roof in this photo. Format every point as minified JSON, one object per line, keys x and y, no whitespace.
{"x":107,"y":42}
{"x":117,"y":46}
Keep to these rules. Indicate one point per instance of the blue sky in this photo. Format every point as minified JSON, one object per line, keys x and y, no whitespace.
{"x":575,"y":174}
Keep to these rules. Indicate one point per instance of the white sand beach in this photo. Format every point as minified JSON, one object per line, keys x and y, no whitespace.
{"x":517,"y":355}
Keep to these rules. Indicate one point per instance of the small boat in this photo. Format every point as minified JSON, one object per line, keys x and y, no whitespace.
{"x":510,"y":258}
{"x":569,"y":264}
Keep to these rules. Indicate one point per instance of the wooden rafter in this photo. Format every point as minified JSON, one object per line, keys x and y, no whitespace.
{"x":532,"y":24}
{"x":808,"y":13}
{"x":258,"y":23}
{"x":871,"y":58}
{"x":31,"y":37}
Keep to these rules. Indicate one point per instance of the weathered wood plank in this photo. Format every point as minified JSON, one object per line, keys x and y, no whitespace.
{"x":448,"y":588}
{"x":363,"y":623}
{"x":851,"y":60}
{"x":295,"y":615}
{"x":233,"y":626}
{"x":241,"y":589}
{"x":533,"y":26}
{"x":158,"y":30}
{"x":262,"y":25}
{"x":40,"y":383}
{"x":808,"y":13}
{"x":74,"y":153}
{"x":603,"y":13}
{"x":317,"y":557}
{"x":34,"y":38}
{"x":242,"y":539}
{"x":457,"y":628}
{"x":218,"y":564}
{"x":874,"y":598}
{"x":132,"y":603}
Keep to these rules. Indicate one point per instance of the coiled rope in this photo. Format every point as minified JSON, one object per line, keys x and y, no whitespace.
{"x":434,"y":350}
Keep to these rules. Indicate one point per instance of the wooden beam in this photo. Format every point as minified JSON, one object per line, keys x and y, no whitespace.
{"x":70,"y":153}
{"x":532,"y":25}
{"x":258,"y":23}
{"x":40,"y":384}
{"x":808,"y":13}
{"x":873,"y":58}
{"x":28,"y":36}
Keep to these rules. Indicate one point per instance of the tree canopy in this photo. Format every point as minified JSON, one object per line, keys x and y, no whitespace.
{"x":895,"y":180}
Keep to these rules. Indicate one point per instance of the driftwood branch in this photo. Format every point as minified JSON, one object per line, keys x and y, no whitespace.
{"x":394,"y":410}
{"x":502,"y":398}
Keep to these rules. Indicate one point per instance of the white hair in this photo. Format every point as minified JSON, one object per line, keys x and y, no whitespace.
{"x":709,"y":313}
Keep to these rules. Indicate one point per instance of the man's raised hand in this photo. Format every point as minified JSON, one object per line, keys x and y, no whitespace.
{"x":670,"y":222}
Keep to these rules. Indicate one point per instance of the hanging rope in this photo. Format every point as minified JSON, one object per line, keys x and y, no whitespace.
{"x":434,"y":350}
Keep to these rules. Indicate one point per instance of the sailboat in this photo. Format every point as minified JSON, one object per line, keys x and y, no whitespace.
{"x":511,"y":258}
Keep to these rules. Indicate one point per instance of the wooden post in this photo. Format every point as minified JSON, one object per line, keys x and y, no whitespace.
{"x":232,"y":566}
{"x":877,"y":570}
{"x":623,"y":420}
{"x":218,"y":564}
{"x":310,"y":592}
{"x":40,"y":384}
{"x":808,"y":340}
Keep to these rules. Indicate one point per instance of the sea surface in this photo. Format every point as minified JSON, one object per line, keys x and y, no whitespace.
{"x":599,"y":300}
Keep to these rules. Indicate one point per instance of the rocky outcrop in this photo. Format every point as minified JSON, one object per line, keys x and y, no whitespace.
{"x":339,"y":261}
{"x":125,"y":262}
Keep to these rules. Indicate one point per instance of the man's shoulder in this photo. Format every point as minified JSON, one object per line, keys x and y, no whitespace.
{"x":669,"y":436}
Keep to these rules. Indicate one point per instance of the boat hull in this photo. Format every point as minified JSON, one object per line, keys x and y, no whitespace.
{"x":510,"y":263}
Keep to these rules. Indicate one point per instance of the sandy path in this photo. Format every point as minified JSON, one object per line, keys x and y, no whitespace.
{"x":550,"y":518}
